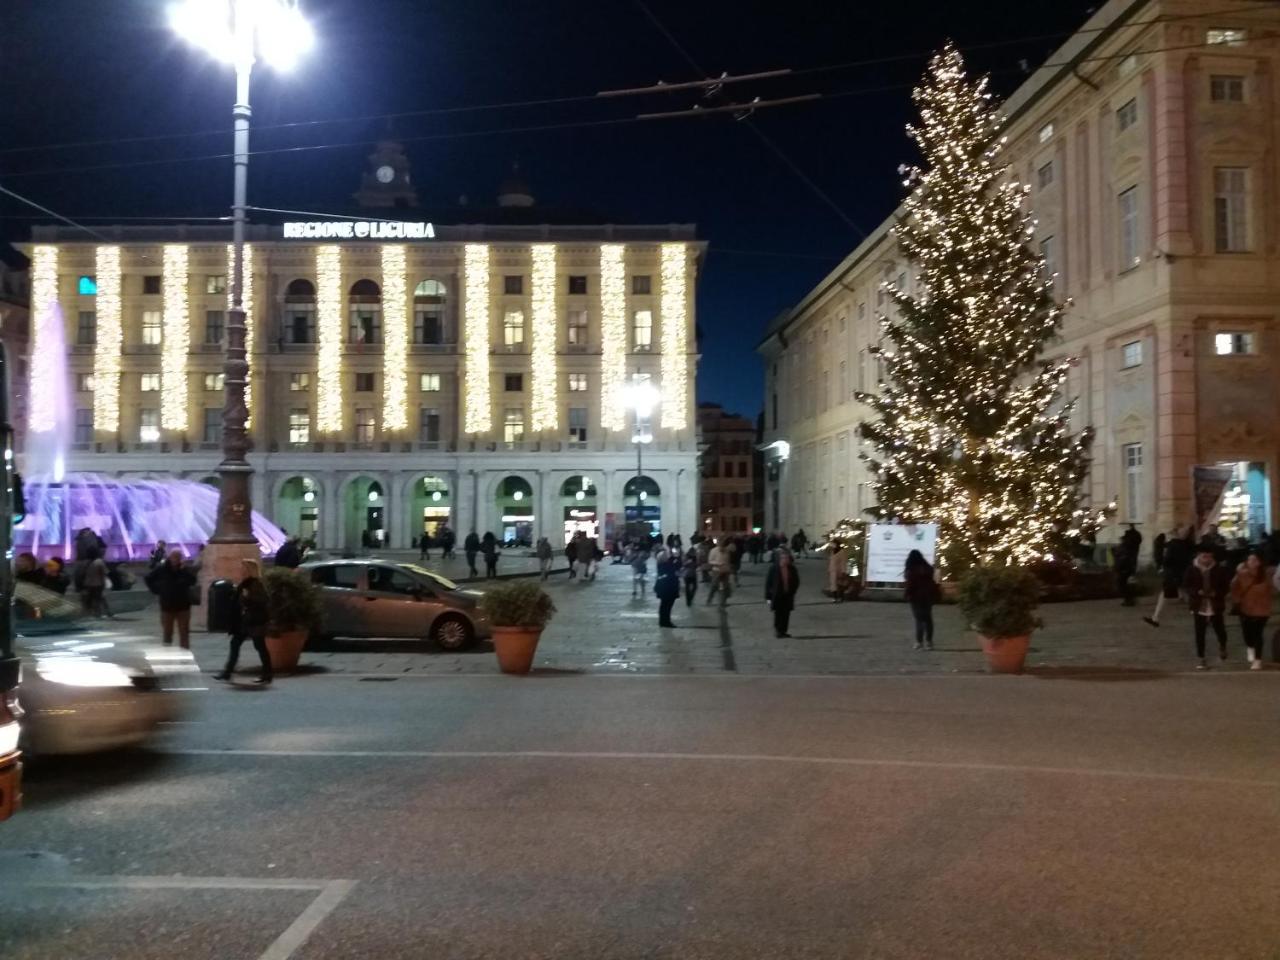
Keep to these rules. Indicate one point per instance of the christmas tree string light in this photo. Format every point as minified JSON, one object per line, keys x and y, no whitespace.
{"x":970,"y":431}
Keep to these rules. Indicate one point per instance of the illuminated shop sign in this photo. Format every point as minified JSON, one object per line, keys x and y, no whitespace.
{"x":358,"y":230}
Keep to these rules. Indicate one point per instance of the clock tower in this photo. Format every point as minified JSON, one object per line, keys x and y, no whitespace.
{"x":386,"y":182}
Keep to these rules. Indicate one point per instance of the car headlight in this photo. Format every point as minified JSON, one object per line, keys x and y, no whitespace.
{"x":83,"y":672}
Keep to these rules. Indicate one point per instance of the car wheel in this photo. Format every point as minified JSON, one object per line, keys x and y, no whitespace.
{"x":452,"y":633}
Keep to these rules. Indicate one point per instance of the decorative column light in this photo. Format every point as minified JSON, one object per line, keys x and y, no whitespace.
{"x":246,"y":303}
{"x":546,"y":414}
{"x":109,"y":342}
{"x":46,"y":362}
{"x":329,"y":406}
{"x":613,"y":335}
{"x":175,"y":340}
{"x":675,"y":336}
{"x":479,"y":415}
{"x":395,"y":349}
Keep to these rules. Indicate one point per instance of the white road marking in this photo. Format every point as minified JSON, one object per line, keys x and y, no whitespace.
{"x":330,"y":894}
{"x":736,"y":758}
{"x":717,"y":674}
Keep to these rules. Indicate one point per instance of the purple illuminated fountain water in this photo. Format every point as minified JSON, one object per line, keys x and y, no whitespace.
{"x":130,"y":513}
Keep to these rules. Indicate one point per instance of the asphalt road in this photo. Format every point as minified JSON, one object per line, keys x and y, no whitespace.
{"x":595,"y":816}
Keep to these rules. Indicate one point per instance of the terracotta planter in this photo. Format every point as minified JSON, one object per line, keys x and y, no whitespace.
{"x":515,"y":647}
{"x":1005,"y":654}
{"x":285,"y":649}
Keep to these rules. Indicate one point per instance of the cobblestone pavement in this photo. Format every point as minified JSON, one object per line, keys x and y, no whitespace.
{"x":601,"y":629}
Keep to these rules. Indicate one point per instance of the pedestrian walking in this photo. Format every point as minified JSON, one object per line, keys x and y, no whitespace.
{"x":921,"y":592}
{"x":173,"y":583}
{"x":489,"y":547}
{"x":1179,"y":551}
{"x":158,"y":555}
{"x":571,"y":554}
{"x":1251,"y":593}
{"x":736,"y":549}
{"x":719,"y":560}
{"x":798,"y":542}
{"x":1125,"y":564}
{"x":290,"y":553}
{"x":639,"y":570}
{"x":93,"y":579}
{"x":447,"y":541}
{"x":837,"y":567}
{"x":424,"y":547}
{"x":470,"y":547}
{"x":544,"y":556}
{"x":251,"y":624}
{"x":667,"y":589}
{"x":586,"y":549}
{"x":780,"y":586}
{"x":690,"y":572}
{"x":1207,"y":584}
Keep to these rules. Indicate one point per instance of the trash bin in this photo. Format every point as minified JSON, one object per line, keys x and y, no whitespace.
{"x":224,"y":608}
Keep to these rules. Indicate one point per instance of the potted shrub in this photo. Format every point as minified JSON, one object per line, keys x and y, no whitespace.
{"x":1000,"y":603}
{"x":294,"y":603}
{"x":518,"y":611}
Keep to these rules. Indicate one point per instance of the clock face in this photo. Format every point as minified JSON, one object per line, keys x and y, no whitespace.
{"x":385,"y":174}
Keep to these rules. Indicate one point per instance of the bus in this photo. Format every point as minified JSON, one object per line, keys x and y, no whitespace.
{"x":11,"y":512}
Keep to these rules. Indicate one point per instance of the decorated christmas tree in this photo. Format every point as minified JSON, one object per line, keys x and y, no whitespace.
{"x":971,"y":430}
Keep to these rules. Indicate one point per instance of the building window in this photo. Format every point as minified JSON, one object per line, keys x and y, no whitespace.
{"x":578,"y":424}
{"x":513,"y":382}
{"x":214,"y":321}
{"x":302,"y":326}
{"x":299,"y":382}
{"x":429,"y":425}
{"x":577,"y":383}
{"x":429,"y":383}
{"x":1131,"y":355}
{"x":1127,"y":203}
{"x":1226,"y":89}
{"x":87,"y":328}
{"x":844,"y":381}
{"x":216,"y":283}
{"x":513,"y":424}
{"x":1231,"y":209}
{"x":641,"y":285}
{"x":1225,"y":36}
{"x":149,"y":382}
{"x":214,"y":381}
{"x":151,"y":327}
{"x":1127,"y":115}
{"x":862,"y":370}
{"x":84,"y":425}
{"x":428,"y":325}
{"x":577,"y":328}
{"x":299,"y":426}
{"x":1132,"y":482}
{"x":366,"y":324}
{"x":366,"y":424}
{"x":1049,"y":256}
{"x":1046,"y":133}
{"x":642,"y":331}
{"x":577,"y":286}
{"x":151,"y":284}
{"x":1233,"y":343}
{"x":1044,"y":176}
{"x":513,"y":328}
{"x":84,"y":383}
{"x":87,"y":286}
{"x":148,"y":425}
{"x":513,"y":286}
{"x":212,"y":424}
{"x":364,"y":383}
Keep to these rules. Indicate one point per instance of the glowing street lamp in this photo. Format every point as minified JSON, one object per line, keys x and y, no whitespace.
{"x":237,"y":32}
{"x":640,"y":397}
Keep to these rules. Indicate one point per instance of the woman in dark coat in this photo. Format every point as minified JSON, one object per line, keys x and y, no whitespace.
{"x":780,"y":588}
{"x":489,"y":547}
{"x":921,"y":591}
{"x":255,"y":612}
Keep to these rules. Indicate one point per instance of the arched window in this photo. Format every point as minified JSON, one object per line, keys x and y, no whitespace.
{"x":300,"y":312}
{"x":429,"y":317}
{"x":366,"y":313}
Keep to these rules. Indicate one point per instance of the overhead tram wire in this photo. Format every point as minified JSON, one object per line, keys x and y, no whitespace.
{"x":635,"y":91}
{"x":53,"y":213}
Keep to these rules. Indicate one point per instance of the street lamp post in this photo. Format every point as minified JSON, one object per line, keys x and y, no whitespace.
{"x":641,"y":398}
{"x":237,"y":32}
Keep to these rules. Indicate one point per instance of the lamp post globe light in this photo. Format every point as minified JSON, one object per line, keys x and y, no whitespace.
{"x":641,"y":397}
{"x":238,"y":32}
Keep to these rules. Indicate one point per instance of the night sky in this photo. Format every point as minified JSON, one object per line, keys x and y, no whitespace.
{"x":73,"y":71}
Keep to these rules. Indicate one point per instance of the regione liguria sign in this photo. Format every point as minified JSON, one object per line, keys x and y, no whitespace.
{"x":889,"y":543}
{"x":358,"y":230}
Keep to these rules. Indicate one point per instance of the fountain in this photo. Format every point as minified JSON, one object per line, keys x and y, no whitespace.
{"x":131,"y":514}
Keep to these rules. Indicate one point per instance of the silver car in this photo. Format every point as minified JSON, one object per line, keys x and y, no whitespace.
{"x":377,"y":598}
{"x":87,"y":692}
